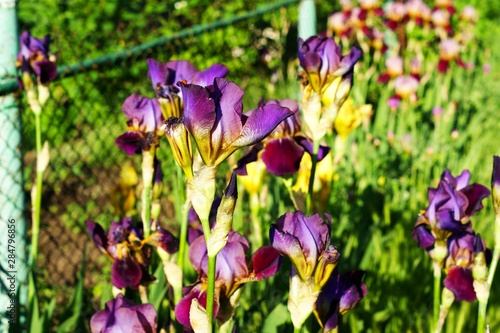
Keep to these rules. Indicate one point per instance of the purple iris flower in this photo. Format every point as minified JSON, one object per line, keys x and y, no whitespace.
{"x":306,"y":242}
{"x":451,"y":205}
{"x":340,"y":294}
{"x":130,"y":252}
{"x":213,"y":116}
{"x":284,"y":147}
{"x":164,"y":78}
{"x":231,"y":272}
{"x":495,"y":184}
{"x":144,"y":122}
{"x":120,"y":315}
{"x":35,"y":58}
{"x":322,"y":60}
{"x":462,"y":247}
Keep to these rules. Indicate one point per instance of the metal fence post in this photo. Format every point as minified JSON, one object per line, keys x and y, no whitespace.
{"x":307,"y":19}
{"x":12,"y":201}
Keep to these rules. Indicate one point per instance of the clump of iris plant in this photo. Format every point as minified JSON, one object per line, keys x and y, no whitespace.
{"x":326,"y":82}
{"x":305,"y":240}
{"x":35,"y":59}
{"x":444,"y":230}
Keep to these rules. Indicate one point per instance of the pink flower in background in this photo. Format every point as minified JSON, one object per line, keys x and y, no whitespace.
{"x":395,"y":13}
{"x":469,"y":14}
{"x":449,"y":50}
{"x":405,"y":86}
{"x":394,"y":68}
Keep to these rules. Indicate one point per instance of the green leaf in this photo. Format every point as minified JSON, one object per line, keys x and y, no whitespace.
{"x":279,"y":316}
{"x":72,"y":314}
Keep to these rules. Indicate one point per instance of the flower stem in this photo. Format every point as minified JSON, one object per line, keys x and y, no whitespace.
{"x":496,"y":251}
{"x":184,"y":209}
{"x":147,"y":177}
{"x":297,"y":329}
{"x":211,"y":288}
{"x":481,"y":317}
{"x":437,"y":293}
{"x":37,"y":194}
{"x":314,"y":159}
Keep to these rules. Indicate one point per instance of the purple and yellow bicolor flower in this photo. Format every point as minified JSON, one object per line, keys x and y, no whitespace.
{"x":323,"y":63}
{"x":306,"y":242}
{"x":326,"y":82}
{"x":165,"y":77}
{"x":35,"y":58}
{"x":339,"y":295}
{"x":495,"y":184}
{"x":451,"y":205}
{"x":232,"y":271}
{"x":213,"y":116}
{"x":463,"y":247}
{"x":121,"y":315}
{"x":284,"y":148}
{"x":130,"y":252}
{"x":144,"y":124}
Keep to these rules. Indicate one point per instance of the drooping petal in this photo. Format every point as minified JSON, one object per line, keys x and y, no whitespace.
{"x":460,"y":281}
{"x":475,"y":193}
{"x":423,"y":236}
{"x":164,"y":239}
{"x":98,"y":236}
{"x":260,"y":123}
{"x":132,"y":142}
{"x":266,"y":261}
{"x":308,"y":146}
{"x":126,"y":273}
{"x":182,"y":309}
{"x":282,"y":156}
{"x":339,"y":295}
{"x":46,"y":70}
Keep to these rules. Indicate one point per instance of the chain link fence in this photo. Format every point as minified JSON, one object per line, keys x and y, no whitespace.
{"x":83,"y":117}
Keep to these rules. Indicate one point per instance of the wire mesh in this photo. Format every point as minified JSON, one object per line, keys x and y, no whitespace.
{"x":83,"y":116}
